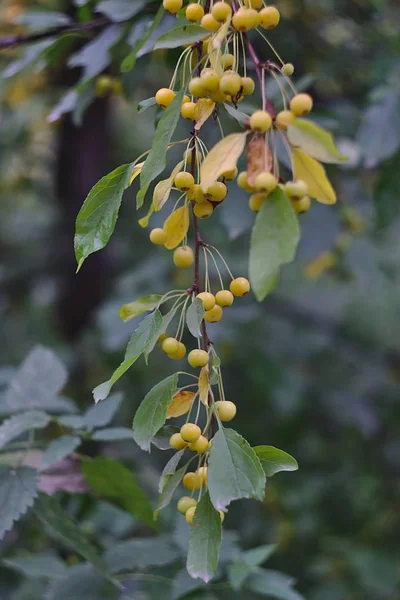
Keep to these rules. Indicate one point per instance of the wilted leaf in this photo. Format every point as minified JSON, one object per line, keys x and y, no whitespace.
{"x":138,"y":307}
{"x":18,"y":488}
{"x":205,"y":540}
{"x":274,"y":460}
{"x":259,"y":158}
{"x":222,"y":157}
{"x":180,"y":404}
{"x":313,"y":173}
{"x":176,"y":227}
{"x":163,"y":188}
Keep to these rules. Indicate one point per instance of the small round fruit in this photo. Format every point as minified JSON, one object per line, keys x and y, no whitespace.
{"x":245,"y":19}
{"x":180,"y":353}
{"x":177,"y":442}
{"x":216,"y":192}
{"x":301,"y":104}
{"x":288,"y":69}
{"x":301,"y":205}
{"x":221,"y":11}
{"x":172,"y":6}
{"x":196,"y":87}
{"x":183,"y":257}
{"x":210,"y":80}
{"x":226,"y":409}
{"x":170,"y":345}
{"x":261,"y":121}
{"x":164,"y":97}
{"x":185,"y":503}
{"x":222,"y":515}
{"x":190,"y":432}
{"x":248,"y":86}
{"x":195,"y":194}
{"x":198,"y":359}
{"x":189,"y":515}
{"x":230,"y":83}
{"x":227,"y":61}
{"x":243,"y":182}
{"x":209,"y":23}
{"x":202,"y":473}
{"x":203,"y":210}
{"x":224,"y":298}
{"x":200,"y":446}
{"x":256,"y":201}
{"x":194,"y":12}
{"x":188,"y":110}
{"x":104,"y":85}
{"x":192,"y":481}
{"x":208,"y":300}
{"x":269,"y":17}
{"x":240,"y":286}
{"x":265,"y":182}
{"x":231,"y":174}
{"x":184,"y":181}
{"x":158,"y":236}
{"x":214,"y":315}
{"x":296,"y":189}
{"x":219,"y":97}
{"x":284,"y":118}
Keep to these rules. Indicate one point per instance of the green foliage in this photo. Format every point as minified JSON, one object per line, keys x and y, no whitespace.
{"x":59,"y":449}
{"x":185,"y":34}
{"x":18,"y":489}
{"x":138,"y":307}
{"x":274,"y":460}
{"x":194,"y":317}
{"x":205,"y":540}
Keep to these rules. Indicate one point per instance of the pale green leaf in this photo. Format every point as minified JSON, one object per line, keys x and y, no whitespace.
{"x":170,"y":485}
{"x":19,"y":424}
{"x":18,"y":488}
{"x":162,"y":437}
{"x":120,"y":10}
{"x":141,"y":553}
{"x":314,"y":141}
{"x":272,"y":584}
{"x":274,"y":460}
{"x":59,"y":449}
{"x":129,"y":61}
{"x":111,"y":434}
{"x":240,"y":116}
{"x":145,"y":104}
{"x":204,"y":541}
{"x":179,"y":36}
{"x":42,"y":564}
{"x":81,"y":582}
{"x":102,"y":414}
{"x":170,"y":469}
{"x":194,"y":317}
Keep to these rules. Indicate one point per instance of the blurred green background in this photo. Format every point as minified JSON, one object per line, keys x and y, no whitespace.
{"x":315,"y":369}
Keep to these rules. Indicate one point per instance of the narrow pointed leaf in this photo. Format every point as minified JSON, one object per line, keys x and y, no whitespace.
{"x":179,"y":36}
{"x":314,"y":141}
{"x":313,"y":173}
{"x":141,"y":305}
{"x":204,"y":541}
{"x":274,"y":460}
{"x":169,"y":487}
{"x":170,"y":469}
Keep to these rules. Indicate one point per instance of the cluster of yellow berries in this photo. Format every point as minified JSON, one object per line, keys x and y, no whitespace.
{"x":106,"y":85}
{"x":266,"y":182}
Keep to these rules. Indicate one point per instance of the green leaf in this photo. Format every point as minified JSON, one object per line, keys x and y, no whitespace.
{"x":95,"y":56}
{"x":157,"y":158}
{"x":194,"y":317}
{"x":112,"y":480}
{"x":18,"y":488}
{"x":19,"y":424}
{"x":152,"y":412}
{"x":169,"y":488}
{"x":274,"y":460}
{"x":314,"y":141}
{"x":112,"y":433}
{"x":51,"y":513}
{"x":141,"y":553}
{"x":257,"y":556}
{"x":379,"y":134}
{"x":162,"y":437}
{"x":274,"y":241}
{"x":387,"y":205}
{"x":141,"y":338}
{"x":120,"y":10}
{"x":234,"y":470}
{"x":240,"y":116}
{"x":102,"y":414}
{"x":170,"y":469}
{"x":81,"y":581}
{"x":205,"y":541}
{"x":42,"y":564}
{"x":59,"y":449}
{"x":240,"y":570}
{"x":96,"y":220}
{"x":129,"y":61}
{"x":161,"y":328}
{"x":272,"y":584}
{"x":145,"y":104}
{"x":214,"y":375}
{"x":138,"y":307}
{"x":179,"y":36}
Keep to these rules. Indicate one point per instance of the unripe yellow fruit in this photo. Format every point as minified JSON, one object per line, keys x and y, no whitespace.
{"x":301,"y":205}
{"x":243,"y":183}
{"x":284,"y":118}
{"x":183,"y":257}
{"x":210,"y":80}
{"x":256,"y":201}
{"x":227,"y":61}
{"x":195,"y":194}
{"x":170,"y":345}
{"x":216,"y":192}
{"x":158,"y":236}
{"x":190,"y":432}
{"x":224,"y":298}
{"x":296,"y":189}
{"x":288,"y":69}
{"x":214,"y":315}
{"x":232,"y":174}
{"x":240,"y":286}
{"x":189,"y":515}
{"x":185,"y":503}
{"x":200,"y":445}
{"x":186,"y":99}
{"x":265,"y":182}
{"x":208,"y":300}
{"x":245,"y":19}
{"x":194,"y":12}
{"x":269,"y":17}
{"x":164,"y":97}
{"x":104,"y":85}
{"x":172,"y":6}
{"x":226,"y":409}
{"x":179,"y":354}
{"x":177,"y":442}
{"x":221,"y":11}
{"x":197,"y":359}
{"x":248,"y":86}
{"x":196,"y":87}
{"x":209,"y":23}
{"x":192,"y":481}
{"x":219,"y":97}
{"x":261,"y":121}
{"x":301,"y":104}
{"x":203,"y":210}
{"x":188,"y":110}
{"x":184,"y":181}
{"x":230,"y":83}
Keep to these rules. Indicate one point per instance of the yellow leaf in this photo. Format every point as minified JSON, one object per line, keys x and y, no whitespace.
{"x":204,"y":109}
{"x":163,"y":188}
{"x":180,"y":404}
{"x":313,"y":173}
{"x":203,"y":386}
{"x":136,"y":171}
{"x":144,"y":221}
{"x":176,"y":227}
{"x":223,"y":157}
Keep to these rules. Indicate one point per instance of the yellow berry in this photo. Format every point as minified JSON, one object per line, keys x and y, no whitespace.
{"x":177,"y":442}
{"x":243,"y":183}
{"x":261,"y":121}
{"x":203,"y":210}
{"x":185,"y":503}
{"x":284,"y":118}
{"x":184,"y":181}
{"x":219,"y":97}
{"x":301,"y":104}
{"x":265,"y":182}
{"x":164,"y":97}
{"x":172,"y":6}
{"x":216,"y":192}
{"x":183,"y":257}
{"x":245,"y":19}
{"x":301,"y":205}
{"x":200,"y":445}
{"x":210,"y":80}
{"x":224,"y":298}
{"x":207,"y":299}
{"x":195,"y":194}
{"x":230,"y":83}
{"x":221,"y":11}
{"x":248,"y":86}
{"x":190,"y":432}
{"x":296,"y":189}
{"x":214,"y":315}
{"x":196,"y":87}
{"x":288,"y":69}
{"x":192,"y":481}
{"x":194,"y":12}
{"x":209,"y":23}
{"x":158,"y":236}
{"x":240,"y":286}
{"x":197,"y":359}
{"x":170,"y":345}
{"x":179,"y":354}
{"x":188,"y":110}
{"x":226,"y":409}
{"x":231,"y":174}
{"x":104,"y":85}
{"x":269,"y":17}
{"x":202,"y":473}
{"x":227,"y":61}
{"x":256,"y":201}
{"x":189,"y":515}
